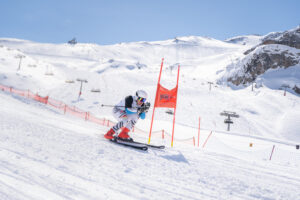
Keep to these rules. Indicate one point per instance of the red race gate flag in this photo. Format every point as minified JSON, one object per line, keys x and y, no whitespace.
{"x":165,"y":99}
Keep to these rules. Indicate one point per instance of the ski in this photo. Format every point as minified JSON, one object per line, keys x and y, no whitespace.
{"x":130,"y":144}
{"x":151,"y":145}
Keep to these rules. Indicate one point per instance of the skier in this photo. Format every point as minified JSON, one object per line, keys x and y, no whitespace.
{"x":127,"y":112}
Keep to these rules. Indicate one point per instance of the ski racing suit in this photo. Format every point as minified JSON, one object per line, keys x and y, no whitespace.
{"x":127,"y":113}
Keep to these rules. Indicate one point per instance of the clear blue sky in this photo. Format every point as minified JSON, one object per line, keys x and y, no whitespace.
{"x":114,"y":21}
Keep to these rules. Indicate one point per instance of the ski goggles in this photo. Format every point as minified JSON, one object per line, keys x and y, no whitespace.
{"x":141,"y":99}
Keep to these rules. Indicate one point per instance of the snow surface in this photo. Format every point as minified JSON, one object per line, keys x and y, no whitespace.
{"x":47,"y":155}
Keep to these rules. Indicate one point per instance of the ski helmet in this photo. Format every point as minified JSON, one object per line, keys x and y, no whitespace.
{"x":141,"y":95}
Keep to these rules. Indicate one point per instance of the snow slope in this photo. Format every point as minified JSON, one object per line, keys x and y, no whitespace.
{"x":121,"y":69}
{"x":248,"y":40}
{"x":47,"y":155}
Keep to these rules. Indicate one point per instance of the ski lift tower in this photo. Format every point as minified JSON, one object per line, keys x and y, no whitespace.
{"x":73,"y":41}
{"x":253,"y":82}
{"x":210,"y":83}
{"x":81,"y":81}
{"x":285,"y":86}
{"x":229,"y":121}
{"x":19,"y":56}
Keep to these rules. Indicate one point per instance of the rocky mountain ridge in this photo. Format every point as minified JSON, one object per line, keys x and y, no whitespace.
{"x":276,"y":50}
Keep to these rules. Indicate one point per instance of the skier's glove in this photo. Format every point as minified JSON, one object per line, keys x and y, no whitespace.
{"x":144,"y":108}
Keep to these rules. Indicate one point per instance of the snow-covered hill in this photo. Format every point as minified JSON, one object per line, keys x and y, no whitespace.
{"x":78,"y":163}
{"x":248,"y":40}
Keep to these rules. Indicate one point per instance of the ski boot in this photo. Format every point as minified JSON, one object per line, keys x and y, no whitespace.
{"x":124,"y":135}
{"x":110,"y":134}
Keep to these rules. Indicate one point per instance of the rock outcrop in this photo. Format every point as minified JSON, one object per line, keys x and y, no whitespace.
{"x":264,"y":58}
{"x":277,"y":50}
{"x":289,"y":38}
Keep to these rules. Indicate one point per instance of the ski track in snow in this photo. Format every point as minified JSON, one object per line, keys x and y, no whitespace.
{"x":48,"y":155}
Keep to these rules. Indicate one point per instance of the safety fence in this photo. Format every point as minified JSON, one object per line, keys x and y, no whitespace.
{"x":73,"y":110}
{"x":250,"y":148}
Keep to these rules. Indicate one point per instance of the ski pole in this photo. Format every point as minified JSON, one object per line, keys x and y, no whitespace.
{"x":102,"y":105}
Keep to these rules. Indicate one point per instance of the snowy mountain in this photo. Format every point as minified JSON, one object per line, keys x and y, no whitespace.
{"x":248,"y":40}
{"x":289,"y":38}
{"x":108,"y":67}
{"x":275,"y":52}
{"x":45,"y":154}
{"x":267,"y":58}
